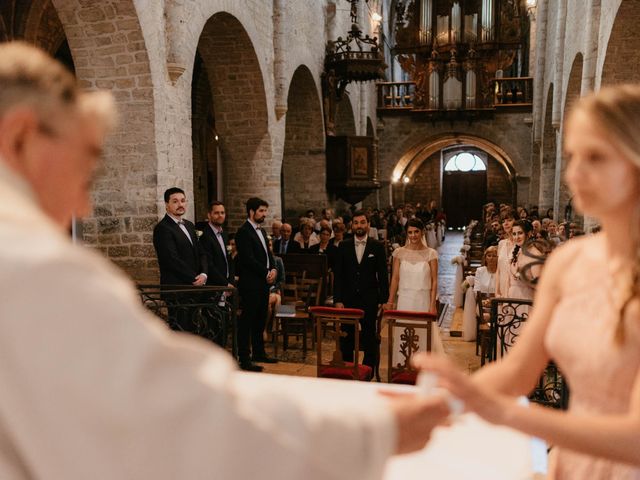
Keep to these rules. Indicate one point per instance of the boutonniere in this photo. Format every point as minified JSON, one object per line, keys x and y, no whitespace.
{"x":228,"y":248}
{"x":199,"y":233}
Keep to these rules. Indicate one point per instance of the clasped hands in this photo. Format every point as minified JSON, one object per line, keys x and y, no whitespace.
{"x":271,"y":276}
{"x":418,"y":414}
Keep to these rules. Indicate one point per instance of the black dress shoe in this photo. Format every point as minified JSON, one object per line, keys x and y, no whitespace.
{"x":250,"y":367}
{"x":264,"y":359}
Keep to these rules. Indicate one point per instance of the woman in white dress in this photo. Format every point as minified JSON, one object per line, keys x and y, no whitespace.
{"x":505,"y":249}
{"x":485,"y":280}
{"x":414,"y":280}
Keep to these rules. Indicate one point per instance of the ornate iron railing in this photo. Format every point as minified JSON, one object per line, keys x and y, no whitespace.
{"x":209,"y":312}
{"x":507,"y":318}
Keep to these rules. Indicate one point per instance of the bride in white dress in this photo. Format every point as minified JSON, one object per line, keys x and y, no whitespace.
{"x":414,"y":280}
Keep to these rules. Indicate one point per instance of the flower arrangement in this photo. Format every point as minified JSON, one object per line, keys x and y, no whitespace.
{"x":468,"y":282}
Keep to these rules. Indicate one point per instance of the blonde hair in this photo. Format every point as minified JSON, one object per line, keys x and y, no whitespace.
{"x":492,"y":248}
{"x":616,"y":110}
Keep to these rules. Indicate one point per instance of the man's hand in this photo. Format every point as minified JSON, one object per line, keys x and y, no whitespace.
{"x":271,"y":276}
{"x":338,"y":305}
{"x":200,"y":280}
{"x":416,"y":417}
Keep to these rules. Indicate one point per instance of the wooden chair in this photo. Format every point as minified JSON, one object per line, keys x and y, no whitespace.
{"x":483,"y":326}
{"x":336,"y":367}
{"x":407,"y":323}
{"x":291,"y":321}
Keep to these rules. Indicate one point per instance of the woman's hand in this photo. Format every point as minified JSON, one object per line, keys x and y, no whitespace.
{"x":487,"y":403}
{"x":388,"y":306}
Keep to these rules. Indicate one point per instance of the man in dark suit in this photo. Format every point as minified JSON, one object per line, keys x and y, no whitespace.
{"x":215,"y":243}
{"x":361,"y":281}
{"x":285,"y":243}
{"x":181,"y":260}
{"x":256,"y":270}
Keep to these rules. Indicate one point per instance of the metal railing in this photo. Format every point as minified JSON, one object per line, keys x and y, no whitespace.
{"x":508,"y":316}
{"x":209,"y":312}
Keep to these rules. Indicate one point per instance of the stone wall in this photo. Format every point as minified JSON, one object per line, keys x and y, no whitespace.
{"x":400,"y":134}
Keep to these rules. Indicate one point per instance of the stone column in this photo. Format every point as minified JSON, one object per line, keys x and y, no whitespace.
{"x":279,"y":50}
{"x":538,"y":87}
{"x":590,"y":47}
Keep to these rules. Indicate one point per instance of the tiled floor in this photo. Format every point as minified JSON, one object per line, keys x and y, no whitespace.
{"x":462,"y":353}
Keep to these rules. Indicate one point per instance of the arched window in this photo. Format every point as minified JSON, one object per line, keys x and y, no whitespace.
{"x":465,"y":162}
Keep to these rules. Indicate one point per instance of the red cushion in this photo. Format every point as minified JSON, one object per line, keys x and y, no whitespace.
{"x":407,"y":314}
{"x":336,"y":311}
{"x":365,"y":372}
{"x":406,"y":377}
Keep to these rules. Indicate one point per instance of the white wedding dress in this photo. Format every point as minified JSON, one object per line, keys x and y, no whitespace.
{"x":414,"y":294}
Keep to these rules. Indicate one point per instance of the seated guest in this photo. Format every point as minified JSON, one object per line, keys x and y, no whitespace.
{"x":492,"y":234}
{"x":285,"y":244}
{"x":338,"y":233}
{"x":275,"y":230}
{"x":306,"y":237}
{"x":327,"y":217}
{"x":485,"y":280}
{"x":325,"y":246}
{"x":275,"y":290}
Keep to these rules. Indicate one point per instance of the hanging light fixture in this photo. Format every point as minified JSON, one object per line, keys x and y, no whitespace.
{"x":356,"y":58}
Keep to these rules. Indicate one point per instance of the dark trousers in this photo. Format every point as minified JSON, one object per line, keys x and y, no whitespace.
{"x":251,"y":324}
{"x":368,"y":341}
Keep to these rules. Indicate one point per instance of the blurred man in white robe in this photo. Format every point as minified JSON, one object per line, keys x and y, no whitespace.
{"x":94,"y":386}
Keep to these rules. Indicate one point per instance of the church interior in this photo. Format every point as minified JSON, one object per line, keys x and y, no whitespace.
{"x":452,"y":112}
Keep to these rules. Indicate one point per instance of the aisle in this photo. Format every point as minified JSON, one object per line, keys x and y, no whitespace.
{"x":460,"y":352}
{"x":446,"y":271}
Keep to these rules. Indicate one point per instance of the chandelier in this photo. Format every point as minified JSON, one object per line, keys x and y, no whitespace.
{"x":356,"y":58}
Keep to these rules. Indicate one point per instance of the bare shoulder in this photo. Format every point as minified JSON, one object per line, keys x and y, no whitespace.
{"x":565,"y":256}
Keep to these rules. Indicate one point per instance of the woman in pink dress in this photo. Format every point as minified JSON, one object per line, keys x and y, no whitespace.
{"x":587,"y":310}
{"x":505,"y":250}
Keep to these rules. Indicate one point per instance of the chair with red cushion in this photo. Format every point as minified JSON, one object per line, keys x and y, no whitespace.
{"x":411,"y":325}
{"x":333,"y":319}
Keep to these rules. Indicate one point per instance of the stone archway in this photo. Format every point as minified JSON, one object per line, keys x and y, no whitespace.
{"x":240,"y":111}
{"x":204,"y":142}
{"x":422,"y":167}
{"x":36,"y":22}
{"x":623,"y":48}
{"x":102,"y":43}
{"x":303,"y":148}
{"x":411,"y":160}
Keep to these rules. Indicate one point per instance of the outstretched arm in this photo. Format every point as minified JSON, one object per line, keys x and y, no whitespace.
{"x":393,"y":288}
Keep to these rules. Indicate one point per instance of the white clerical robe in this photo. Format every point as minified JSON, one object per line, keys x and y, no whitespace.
{"x":93,"y":386}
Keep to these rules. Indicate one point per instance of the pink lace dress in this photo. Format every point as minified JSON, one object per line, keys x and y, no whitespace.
{"x":600,"y":373}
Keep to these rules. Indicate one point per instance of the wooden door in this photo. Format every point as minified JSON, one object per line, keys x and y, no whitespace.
{"x":463,"y":195}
